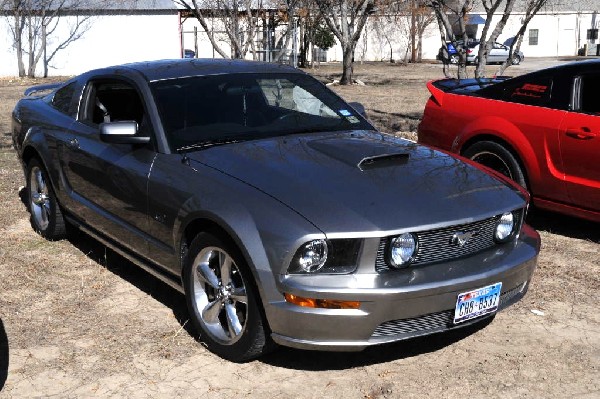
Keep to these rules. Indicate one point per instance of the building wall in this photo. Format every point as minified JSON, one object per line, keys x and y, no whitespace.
{"x":559,"y":34}
{"x":111,"y":40}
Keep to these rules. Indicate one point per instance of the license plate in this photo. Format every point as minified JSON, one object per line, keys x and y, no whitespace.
{"x":477,"y":303}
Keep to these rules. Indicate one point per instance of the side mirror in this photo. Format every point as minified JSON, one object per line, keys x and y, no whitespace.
{"x":358,"y":107}
{"x":122,"y":132}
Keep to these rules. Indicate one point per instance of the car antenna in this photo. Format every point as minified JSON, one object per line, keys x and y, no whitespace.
{"x":184,"y":157}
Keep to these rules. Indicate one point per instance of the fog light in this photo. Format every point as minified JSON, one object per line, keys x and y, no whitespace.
{"x":505,"y":227}
{"x":321,"y":303}
{"x":402,"y":249}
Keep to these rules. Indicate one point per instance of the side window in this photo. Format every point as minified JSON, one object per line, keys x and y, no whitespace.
{"x":590,"y":94}
{"x":63,"y":97}
{"x":114,"y":100}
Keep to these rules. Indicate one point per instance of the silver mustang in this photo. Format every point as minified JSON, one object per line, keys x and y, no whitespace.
{"x":273,"y":205}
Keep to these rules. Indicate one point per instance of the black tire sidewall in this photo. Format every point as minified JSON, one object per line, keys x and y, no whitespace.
{"x":254,"y":339}
{"x":500,"y":151}
{"x":56,"y":225}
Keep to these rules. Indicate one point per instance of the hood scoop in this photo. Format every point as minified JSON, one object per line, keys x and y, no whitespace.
{"x":361,"y":152}
{"x":383,"y":161}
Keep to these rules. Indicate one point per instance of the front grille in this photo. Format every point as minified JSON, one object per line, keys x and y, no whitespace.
{"x":436,"y":246}
{"x":433,"y":321}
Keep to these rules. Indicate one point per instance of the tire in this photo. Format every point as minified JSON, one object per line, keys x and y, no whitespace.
{"x":454,"y":59}
{"x":222,"y":301}
{"x":516,"y":60}
{"x":497,"y":157}
{"x":46,"y":216}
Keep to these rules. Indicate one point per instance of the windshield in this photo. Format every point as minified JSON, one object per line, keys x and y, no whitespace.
{"x":237,"y":107}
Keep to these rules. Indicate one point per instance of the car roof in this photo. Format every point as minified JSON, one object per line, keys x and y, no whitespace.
{"x":585,"y":65}
{"x":172,"y":69}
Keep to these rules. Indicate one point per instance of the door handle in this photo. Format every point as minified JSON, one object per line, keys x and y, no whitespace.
{"x":73,"y":143}
{"x":583,"y":134}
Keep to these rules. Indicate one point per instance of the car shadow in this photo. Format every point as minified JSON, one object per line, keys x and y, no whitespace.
{"x":283,"y":356}
{"x":564,"y":225}
{"x":4,"y":355}
{"x":130,"y":272}
{"x":306,"y":360}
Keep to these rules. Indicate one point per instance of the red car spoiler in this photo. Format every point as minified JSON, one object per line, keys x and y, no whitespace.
{"x":437,"y":94}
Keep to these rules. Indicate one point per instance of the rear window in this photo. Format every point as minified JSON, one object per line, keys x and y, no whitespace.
{"x":62,"y":98}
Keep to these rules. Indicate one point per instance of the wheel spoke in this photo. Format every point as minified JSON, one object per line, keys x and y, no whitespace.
{"x":206,"y":274}
{"x":41,"y":185}
{"x":225,"y":262}
{"x":45,"y":211}
{"x":210,"y":313}
{"x":233,"y":322}
{"x":239,"y":295}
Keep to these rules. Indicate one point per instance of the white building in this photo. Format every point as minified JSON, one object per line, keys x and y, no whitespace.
{"x":124,"y":32}
{"x":156,"y":29}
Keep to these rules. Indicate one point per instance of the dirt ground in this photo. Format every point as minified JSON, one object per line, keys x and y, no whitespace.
{"x":77,"y":320}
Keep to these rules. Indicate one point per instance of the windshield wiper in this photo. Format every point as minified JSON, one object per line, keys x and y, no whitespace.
{"x":208,"y":143}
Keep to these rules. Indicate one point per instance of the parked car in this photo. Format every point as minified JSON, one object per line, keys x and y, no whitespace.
{"x":452,"y":56}
{"x":498,"y":54}
{"x":273,"y":205}
{"x":541,"y":129}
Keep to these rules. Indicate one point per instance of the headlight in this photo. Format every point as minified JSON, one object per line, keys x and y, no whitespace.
{"x":336,"y":256}
{"x":505,"y":227}
{"x":311,"y":256}
{"x":402,"y":250}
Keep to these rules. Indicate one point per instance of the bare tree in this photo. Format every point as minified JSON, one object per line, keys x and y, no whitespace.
{"x":452,"y":16}
{"x":241,"y":21}
{"x":412,"y":17}
{"x":239,"y":18}
{"x":457,"y":10}
{"x":34,"y":30}
{"x":531,"y":9}
{"x":346,"y":19}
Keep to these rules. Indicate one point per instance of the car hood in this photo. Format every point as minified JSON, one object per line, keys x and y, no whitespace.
{"x":363,"y":181}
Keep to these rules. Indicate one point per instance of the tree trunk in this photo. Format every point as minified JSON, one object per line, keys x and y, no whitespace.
{"x":347,"y":69}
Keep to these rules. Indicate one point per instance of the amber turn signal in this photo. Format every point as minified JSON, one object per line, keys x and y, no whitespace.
{"x":321,"y":303}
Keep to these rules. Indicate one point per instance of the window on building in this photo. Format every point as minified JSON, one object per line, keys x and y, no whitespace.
{"x":592,"y":34}
{"x":533,"y":37}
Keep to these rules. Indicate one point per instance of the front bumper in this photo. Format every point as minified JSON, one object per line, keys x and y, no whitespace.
{"x":399,"y":304}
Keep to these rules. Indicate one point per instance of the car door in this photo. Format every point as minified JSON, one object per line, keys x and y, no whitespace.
{"x":108,"y":181}
{"x":497,"y":53}
{"x":580,"y":143}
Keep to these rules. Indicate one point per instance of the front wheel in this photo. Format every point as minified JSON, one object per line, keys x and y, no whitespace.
{"x":497,"y":157}
{"x":46,"y":215}
{"x":222,"y":301}
{"x":454,"y":59}
{"x":516,"y":60}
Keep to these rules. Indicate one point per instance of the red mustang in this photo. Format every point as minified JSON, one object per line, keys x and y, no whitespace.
{"x":541,"y":130}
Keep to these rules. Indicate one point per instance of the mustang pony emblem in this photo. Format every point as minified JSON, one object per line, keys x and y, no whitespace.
{"x":462,"y":237}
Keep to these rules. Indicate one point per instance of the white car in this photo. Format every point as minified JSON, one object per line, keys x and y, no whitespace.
{"x":499,"y":53}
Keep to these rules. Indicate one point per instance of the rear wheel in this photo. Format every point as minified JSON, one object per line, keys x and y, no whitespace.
{"x":454,"y":59}
{"x":497,"y":157}
{"x":46,"y":215}
{"x":516,"y":60}
{"x":222,"y":301}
